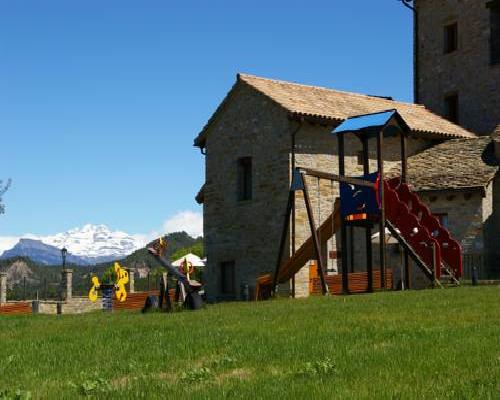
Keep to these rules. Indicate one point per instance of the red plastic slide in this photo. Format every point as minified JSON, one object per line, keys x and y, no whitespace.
{"x":421,"y":229}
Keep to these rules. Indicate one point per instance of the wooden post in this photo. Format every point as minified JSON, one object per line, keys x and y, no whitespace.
{"x":380,"y":164}
{"x":343,"y":230}
{"x":368,"y":229}
{"x":314,"y":234}
{"x":404,"y":177}
{"x":434,"y":265}
{"x":351,"y":247}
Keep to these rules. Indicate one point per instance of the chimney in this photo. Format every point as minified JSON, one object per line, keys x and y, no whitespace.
{"x":495,"y":138}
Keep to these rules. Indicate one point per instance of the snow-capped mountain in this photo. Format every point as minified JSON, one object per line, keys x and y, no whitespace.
{"x":89,"y":244}
{"x":94,"y":241}
{"x":43,"y":253}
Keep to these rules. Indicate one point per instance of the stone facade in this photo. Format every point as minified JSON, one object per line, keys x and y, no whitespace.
{"x":466,"y":71}
{"x":247,"y":232}
{"x":260,"y":119}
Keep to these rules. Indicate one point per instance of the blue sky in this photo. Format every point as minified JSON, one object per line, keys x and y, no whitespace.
{"x":100,"y":100}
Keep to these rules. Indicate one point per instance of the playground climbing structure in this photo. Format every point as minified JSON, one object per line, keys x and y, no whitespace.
{"x":369,"y":201}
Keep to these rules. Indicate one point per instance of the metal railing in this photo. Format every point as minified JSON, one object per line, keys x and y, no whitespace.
{"x":471,"y":261}
{"x":27,"y":289}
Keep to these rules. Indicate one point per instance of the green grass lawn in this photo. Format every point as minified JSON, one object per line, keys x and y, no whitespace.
{"x":422,"y":344}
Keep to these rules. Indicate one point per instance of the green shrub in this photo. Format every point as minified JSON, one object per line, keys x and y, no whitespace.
{"x":109,"y":277}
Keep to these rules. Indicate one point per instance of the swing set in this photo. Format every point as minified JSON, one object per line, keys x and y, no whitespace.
{"x":367,"y":202}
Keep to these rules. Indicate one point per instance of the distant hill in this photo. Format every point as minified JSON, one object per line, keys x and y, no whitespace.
{"x":45,"y":277}
{"x":45,"y":254}
{"x":176,"y":241}
{"x":87,"y":245}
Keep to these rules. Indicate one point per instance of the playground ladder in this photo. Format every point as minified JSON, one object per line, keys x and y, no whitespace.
{"x":430,"y":243}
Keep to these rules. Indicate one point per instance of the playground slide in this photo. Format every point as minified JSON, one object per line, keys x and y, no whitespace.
{"x":421,"y":230}
{"x":411,"y":223}
{"x":306,"y":251}
{"x":414,"y":223}
{"x":303,"y":254}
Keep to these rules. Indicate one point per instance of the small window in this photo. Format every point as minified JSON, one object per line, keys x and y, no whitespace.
{"x":227,"y":277}
{"x":450,"y":38}
{"x":245,"y":178}
{"x":360,"y":157}
{"x":495,"y":32}
{"x":451,"y":107}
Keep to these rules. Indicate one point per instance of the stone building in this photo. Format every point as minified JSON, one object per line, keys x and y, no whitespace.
{"x":265,"y":127}
{"x":457,"y":58}
{"x":459,"y":182}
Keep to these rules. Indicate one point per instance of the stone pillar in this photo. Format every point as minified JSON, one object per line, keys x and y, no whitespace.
{"x":3,"y":287}
{"x":131,"y":280}
{"x":67,"y":284}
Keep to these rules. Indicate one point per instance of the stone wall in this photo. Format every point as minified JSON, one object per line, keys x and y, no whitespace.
{"x":470,"y":222}
{"x":465,"y":216}
{"x":492,"y":227}
{"x":245,"y":232}
{"x":466,"y":71}
{"x":248,"y":232}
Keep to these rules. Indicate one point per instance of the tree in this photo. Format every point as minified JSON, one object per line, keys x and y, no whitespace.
{"x":196,"y":249}
{"x":3,"y":190}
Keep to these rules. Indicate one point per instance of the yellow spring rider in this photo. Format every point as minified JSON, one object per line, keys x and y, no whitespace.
{"x":120,"y":291}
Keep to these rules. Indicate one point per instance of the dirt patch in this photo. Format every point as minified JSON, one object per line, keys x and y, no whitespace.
{"x":125,"y":380}
{"x":238,"y":373}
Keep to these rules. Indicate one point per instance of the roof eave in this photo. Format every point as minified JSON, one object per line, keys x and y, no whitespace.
{"x":325,"y":119}
{"x":463,"y":189}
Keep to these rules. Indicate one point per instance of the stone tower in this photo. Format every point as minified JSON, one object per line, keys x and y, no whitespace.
{"x":457,"y":60}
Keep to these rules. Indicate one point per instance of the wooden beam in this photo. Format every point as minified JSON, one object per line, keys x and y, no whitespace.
{"x":404,"y":177}
{"x":412,"y":253}
{"x":380,"y":165}
{"x":368,"y":229}
{"x":314,"y":234}
{"x":337,"y":178}
{"x":351,"y":248}
{"x":343,"y":230}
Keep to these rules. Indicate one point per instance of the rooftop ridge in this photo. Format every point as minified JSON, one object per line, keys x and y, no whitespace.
{"x":363,"y":95}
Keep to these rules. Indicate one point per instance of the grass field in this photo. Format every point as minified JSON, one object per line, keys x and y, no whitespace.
{"x":420,"y":344}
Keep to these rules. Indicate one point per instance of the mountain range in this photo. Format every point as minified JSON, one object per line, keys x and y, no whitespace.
{"x":88,"y":245}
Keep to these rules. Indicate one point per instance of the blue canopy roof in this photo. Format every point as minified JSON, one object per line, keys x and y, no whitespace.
{"x":369,"y":122}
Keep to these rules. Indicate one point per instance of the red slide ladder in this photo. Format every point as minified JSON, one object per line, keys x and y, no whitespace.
{"x":422,"y":231}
